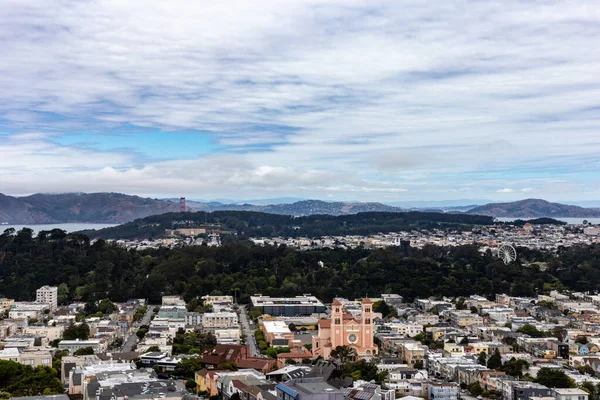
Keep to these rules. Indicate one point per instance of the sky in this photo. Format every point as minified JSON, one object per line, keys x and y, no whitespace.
{"x":329,"y":99}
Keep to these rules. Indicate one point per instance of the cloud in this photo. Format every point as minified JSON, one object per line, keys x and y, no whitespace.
{"x":375,"y":98}
{"x":505,"y":190}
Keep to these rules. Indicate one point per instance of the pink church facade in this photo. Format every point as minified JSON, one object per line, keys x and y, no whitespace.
{"x":342,"y":329}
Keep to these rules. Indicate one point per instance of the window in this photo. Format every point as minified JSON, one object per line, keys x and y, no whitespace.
{"x":336,"y":321}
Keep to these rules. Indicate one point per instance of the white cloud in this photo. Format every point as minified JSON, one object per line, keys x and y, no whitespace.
{"x":374,"y":98}
{"x":505,"y":190}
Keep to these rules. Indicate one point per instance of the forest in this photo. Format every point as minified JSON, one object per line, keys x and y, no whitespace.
{"x":246,"y":224}
{"x":87,"y":271}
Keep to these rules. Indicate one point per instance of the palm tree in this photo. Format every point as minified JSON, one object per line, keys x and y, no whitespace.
{"x":343,"y":353}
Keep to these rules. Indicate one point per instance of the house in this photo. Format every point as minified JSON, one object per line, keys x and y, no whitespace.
{"x":520,"y":390}
{"x":288,"y":372}
{"x":570,"y":394}
{"x":296,"y":355}
{"x":152,"y":358}
{"x":442,"y":391}
{"x":224,"y":354}
{"x":73,"y":345}
{"x":262,"y":365}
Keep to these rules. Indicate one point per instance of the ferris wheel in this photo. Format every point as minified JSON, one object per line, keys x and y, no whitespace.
{"x":507,"y":253}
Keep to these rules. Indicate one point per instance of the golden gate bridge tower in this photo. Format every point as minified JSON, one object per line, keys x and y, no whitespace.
{"x":182,"y":204}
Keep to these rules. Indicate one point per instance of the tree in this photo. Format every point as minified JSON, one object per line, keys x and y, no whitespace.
{"x":560,"y":332}
{"x":481,"y":358}
{"x":343,"y":353}
{"x":80,"y":331}
{"x":107,"y":307}
{"x":153,"y":349}
{"x":495,"y":360}
{"x":419,"y":364}
{"x":188,"y":366}
{"x":84,"y":351}
{"x":292,"y":327}
{"x":554,"y":378}
{"x":382,"y":307}
{"x":581,"y":339}
{"x":532,"y":331}
{"x":475,"y":389}
{"x":514,"y":367}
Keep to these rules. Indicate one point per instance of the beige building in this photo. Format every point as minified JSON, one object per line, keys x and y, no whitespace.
{"x":36,"y":358}
{"x":48,"y":295}
{"x":50,"y":332}
{"x":411,"y":352}
{"x":219,"y":320}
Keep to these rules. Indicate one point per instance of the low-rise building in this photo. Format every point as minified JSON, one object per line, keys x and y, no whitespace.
{"x":570,"y":394}
{"x":442,"y":391}
{"x":288,"y":306}
{"x":220,"y":320}
{"x":308,"y":389}
{"x":73,"y":345}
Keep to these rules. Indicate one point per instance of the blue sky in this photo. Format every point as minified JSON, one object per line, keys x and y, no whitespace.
{"x":334,"y":99}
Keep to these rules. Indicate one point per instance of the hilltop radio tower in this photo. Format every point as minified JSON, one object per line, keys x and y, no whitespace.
{"x":182,"y":204}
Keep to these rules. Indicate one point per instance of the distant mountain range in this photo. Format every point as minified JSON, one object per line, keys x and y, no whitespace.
{"x":80,"y":207}
{"x":534,"y":208}
{"x":121,"y":208}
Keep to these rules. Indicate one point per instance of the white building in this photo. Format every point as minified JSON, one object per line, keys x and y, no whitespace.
{"x":24,"y":310}
{"x":443,"y":391}
{"x":570,"y":394}
{"x":74,"y":345}
{"x":220,"y":320}
{"x":48,"y":295}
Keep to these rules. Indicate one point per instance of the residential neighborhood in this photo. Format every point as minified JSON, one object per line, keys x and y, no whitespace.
{"x":513,"y":348}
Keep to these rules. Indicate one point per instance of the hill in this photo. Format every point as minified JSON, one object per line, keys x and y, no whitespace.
{"x":122,"y":208}
{"x":255,"y":224}
{"x":534,"y":208}
{"x":80,"y":207}
{"x":301,"y":208}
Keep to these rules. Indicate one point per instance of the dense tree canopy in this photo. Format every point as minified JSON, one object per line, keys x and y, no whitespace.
{"x":23,"y":380}
{"x":554,"y":378}
{"x":92,"y":272}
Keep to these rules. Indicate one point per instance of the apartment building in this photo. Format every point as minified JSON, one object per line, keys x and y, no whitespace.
{"x":443,"y":391}
{"x":288,"y":306}
{"x":49,"y":295}
{"x":219,"y":320}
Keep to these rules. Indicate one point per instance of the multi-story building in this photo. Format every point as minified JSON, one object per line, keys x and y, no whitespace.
{"x":442,"y":391}
{"x":49,"y":295}
{"x":25,"y":310}
{"x":209,"y":299}
{"x":74,"y":345}
{"x":412,"y":352}
{"x":219,"y":320}
{"x":570,"y":394}
{"x":462,"y":318}
{"x":288,"y":306}
{"x":342,"y":329}
{"x":520,"y":390}
{"x":308,"y":389}
{"x":277,"y":333}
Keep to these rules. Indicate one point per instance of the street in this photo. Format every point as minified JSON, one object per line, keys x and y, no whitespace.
{"x":248,"y":332}
{"x":132,"y":339}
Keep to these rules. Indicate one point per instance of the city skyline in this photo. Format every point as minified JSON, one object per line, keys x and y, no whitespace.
{"x":339,"y":100}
